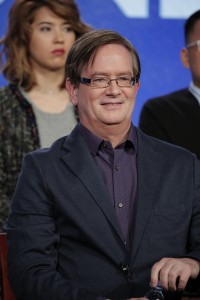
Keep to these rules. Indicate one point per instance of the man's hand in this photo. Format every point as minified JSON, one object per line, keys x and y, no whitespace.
{"x":173,"y":273}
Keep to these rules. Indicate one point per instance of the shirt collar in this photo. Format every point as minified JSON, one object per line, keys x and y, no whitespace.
{"x":93,"y":142}
{"x":195,"y":91}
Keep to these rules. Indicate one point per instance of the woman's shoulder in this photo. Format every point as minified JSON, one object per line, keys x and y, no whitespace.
{"x":5,"y":97}
{"x":9,"y":92}
{"x":9,"y":96}
{"x":3,"y":89}
{"x":5,"y":92}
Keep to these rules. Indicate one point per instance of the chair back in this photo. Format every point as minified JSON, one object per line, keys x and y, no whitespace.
{"x":6,"y":292}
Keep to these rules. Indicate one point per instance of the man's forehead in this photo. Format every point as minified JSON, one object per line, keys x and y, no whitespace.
{"x":108,"y":50}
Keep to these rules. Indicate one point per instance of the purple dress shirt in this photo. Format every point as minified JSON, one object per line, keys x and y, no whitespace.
{"x":118,"y":167}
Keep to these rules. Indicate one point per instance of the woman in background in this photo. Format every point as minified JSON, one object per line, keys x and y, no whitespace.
{"x":34,"y":108}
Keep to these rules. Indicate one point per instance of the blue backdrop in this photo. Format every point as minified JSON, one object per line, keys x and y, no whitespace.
{"x":155,"y":27}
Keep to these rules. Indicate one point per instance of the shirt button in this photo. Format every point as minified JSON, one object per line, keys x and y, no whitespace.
{"x":116,"y":168}
{"x":120,"y":205}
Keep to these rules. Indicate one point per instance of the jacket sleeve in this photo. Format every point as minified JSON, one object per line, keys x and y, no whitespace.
{"x":4,"y":180}
{"x":193,"y":286}
{"x":33,"y":242}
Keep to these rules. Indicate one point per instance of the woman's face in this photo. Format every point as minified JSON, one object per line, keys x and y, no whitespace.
{"x":51,"y":40}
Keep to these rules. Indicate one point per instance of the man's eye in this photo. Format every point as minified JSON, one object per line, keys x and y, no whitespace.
{"x":100,"y":80}
{"x":124,"y":79}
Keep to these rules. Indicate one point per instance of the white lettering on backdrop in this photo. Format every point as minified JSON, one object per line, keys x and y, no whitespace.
{"x":168,"y":9}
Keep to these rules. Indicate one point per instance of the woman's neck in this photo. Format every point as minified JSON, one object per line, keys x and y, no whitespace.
{"x":48,"y":81}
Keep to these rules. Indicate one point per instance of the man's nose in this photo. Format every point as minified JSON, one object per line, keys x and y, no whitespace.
{"x":113,"y":87}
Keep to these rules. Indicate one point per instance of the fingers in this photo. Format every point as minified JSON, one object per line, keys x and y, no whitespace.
{"x":155,"y":272}
{"x":173,"y":273}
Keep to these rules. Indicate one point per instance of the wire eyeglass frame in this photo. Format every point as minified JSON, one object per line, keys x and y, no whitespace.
{"x":103,"y":82}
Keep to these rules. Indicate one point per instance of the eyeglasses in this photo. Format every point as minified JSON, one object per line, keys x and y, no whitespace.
{"x":103,"y":82}
{"x":194,"y":44}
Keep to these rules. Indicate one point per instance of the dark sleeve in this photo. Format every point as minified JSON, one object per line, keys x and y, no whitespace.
{"x":193,"y":286}
{"x":4,"y":189}
{"x":33,"y":242}
{"x":5,"y":179}
{"x":150,"y":121}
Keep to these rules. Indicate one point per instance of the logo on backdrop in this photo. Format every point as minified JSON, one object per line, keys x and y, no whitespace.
{"x":168,"y":9}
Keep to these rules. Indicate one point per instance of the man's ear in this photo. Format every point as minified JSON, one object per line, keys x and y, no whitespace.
{"x":137,"y":86}
{"x":72,"y":91}
{"x":185,"y":58}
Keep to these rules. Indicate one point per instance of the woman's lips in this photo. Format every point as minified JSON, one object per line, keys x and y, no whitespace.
{"x":58,"y":52}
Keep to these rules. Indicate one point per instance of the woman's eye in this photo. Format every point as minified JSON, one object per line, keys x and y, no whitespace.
{"x":45,"y":29}
{"x":68,"y":29}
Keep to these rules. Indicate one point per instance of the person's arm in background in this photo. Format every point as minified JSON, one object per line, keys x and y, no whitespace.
{"x":4,"y":181}
{"x":4,"y":199}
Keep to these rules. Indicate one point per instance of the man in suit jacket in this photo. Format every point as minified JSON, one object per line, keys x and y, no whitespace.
{"x":175,"y":117}
{"x":107,"y":210}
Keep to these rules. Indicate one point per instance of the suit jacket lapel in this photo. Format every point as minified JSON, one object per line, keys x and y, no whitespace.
{"x":80,"y":161}
{"x":149,"y":170}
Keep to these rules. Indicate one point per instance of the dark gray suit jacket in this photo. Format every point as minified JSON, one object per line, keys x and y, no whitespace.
{"x":64,"y":239}
{"x":174,"y":118}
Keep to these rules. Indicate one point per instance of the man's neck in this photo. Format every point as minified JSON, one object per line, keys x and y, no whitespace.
{"x":115,"y":134}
